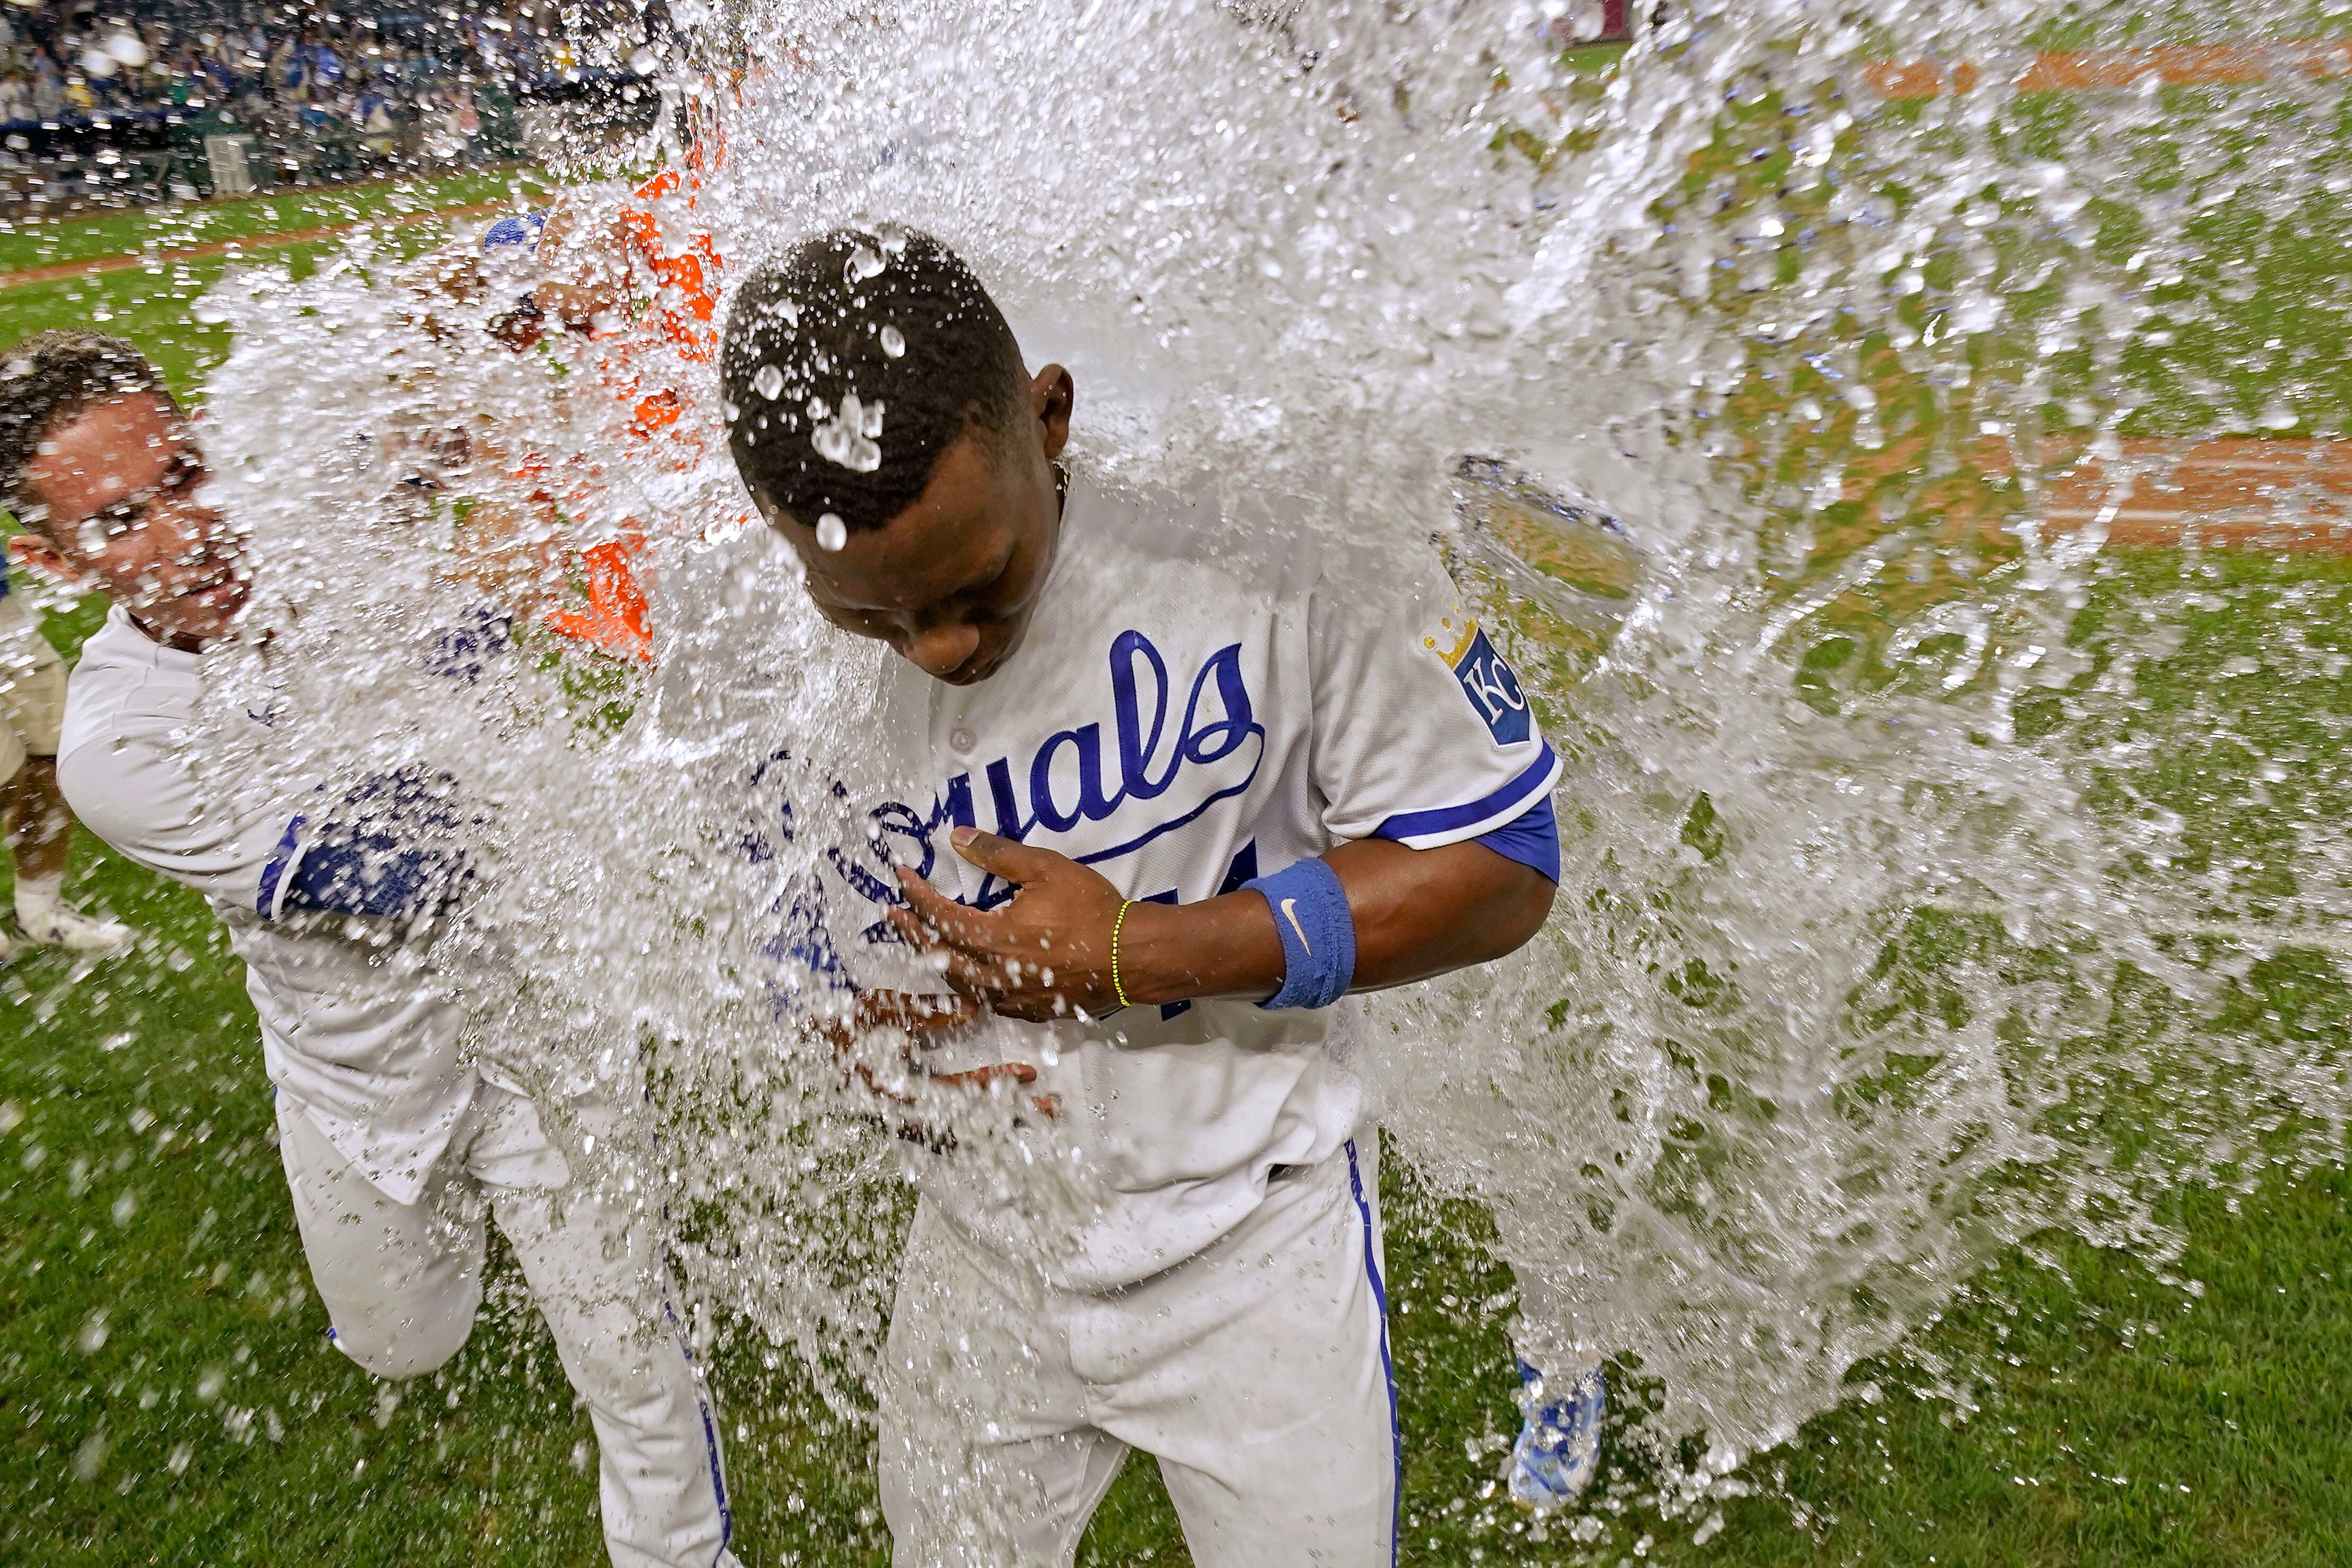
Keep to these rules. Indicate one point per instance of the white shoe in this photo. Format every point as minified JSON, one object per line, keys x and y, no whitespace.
{"x":74,"y":931}
{"x":1559,"y":1450}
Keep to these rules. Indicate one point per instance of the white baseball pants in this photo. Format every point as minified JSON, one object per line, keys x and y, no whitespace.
{"x":402,"y":1283}
{"x":1257,"y":1372}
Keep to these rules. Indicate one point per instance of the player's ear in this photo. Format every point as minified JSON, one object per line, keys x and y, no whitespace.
{"x":1052,"y":394}
{"x":35,"y":553}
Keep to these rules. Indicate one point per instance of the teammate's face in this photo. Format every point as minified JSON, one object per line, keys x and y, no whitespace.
{"x":122,"y":482}
{"x":952,"y":581}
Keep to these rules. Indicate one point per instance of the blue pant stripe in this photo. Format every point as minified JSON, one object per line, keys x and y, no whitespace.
{"x":709,"y":1436}
{"x":709,"y":1432}
{"x":1388,"y":1365}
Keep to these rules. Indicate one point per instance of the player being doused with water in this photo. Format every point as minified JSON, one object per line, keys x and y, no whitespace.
{"x":1187,"y":784}
{"x":395,"y":1143}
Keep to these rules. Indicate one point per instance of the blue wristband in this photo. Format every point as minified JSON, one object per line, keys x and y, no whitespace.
{"x":1318,"y":933}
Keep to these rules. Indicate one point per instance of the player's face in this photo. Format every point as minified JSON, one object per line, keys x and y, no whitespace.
{"x":952,"y":581}
{"x":123,"y":483}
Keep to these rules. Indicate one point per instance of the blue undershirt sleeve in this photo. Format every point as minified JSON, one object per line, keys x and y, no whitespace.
{"x":1532,"y":839}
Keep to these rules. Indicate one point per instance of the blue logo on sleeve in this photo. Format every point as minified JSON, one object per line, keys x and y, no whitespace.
{"x":1493,"y":689}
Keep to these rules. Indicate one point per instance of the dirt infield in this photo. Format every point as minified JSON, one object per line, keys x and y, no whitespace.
{"x":276,"y":241}
{"x":2248,"y":493}
{"x":2183,"y":65}
{"x":2264,"y":492}
{"x":2240,"y":493}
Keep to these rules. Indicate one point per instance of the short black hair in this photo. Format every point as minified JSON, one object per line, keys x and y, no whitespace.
{"x":48,"y":378}
{"x":852,"y":362}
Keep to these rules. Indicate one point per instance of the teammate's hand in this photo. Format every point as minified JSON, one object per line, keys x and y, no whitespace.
{"x":1044,"y":956}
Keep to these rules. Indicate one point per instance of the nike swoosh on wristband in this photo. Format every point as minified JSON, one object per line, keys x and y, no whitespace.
{"x":1290,"y":913}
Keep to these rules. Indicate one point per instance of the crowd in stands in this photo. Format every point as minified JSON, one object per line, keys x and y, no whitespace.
{"x":438,"y":82}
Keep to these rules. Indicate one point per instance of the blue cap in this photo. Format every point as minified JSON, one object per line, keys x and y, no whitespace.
{"x":515,"y":233}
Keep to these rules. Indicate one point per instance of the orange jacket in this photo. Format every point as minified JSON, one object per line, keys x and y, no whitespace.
{"x":683,"y":314}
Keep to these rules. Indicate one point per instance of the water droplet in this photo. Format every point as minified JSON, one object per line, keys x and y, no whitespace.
{"x":848,"y":438}
{"x":769,"y":383}
{"x":832,"y":533}
{"x":894,"y":341}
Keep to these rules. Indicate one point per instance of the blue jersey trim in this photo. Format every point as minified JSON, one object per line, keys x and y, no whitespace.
{"x":266,"y":904}
{"x":370,"y":875}
{"x":1531,"y":839}
{"x":364,"y":866}
{"x":1449,"y":823}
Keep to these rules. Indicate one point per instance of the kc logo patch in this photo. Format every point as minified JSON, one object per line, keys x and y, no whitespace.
{"x":1490,"y":683}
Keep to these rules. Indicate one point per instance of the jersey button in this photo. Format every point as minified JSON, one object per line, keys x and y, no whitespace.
{"x":962,"y":741}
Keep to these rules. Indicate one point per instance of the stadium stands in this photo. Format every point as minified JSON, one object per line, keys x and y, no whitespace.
{"x":109,"y":101}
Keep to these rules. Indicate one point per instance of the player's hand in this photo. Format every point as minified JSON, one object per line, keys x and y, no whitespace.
{"x":507,"y":550}
{"x":1044,"y":956}
{"x":587,"y":281}
{"x":922,"y":1020}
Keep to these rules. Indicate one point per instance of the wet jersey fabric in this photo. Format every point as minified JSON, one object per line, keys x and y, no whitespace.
{"x":1192,"y":707}
{"x":361,"y":1040}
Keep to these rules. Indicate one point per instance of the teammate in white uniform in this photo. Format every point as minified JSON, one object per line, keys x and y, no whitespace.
{"x":392,"y":1146}
{"x":1187,"y":792}
{"x":34,"y":823}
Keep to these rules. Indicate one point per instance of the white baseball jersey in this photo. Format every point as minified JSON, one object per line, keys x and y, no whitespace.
{"x":1182,"y":718}
{"x":360,"y":1039}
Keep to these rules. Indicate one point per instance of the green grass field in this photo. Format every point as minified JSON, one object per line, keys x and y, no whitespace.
{"x":167,"y":1394}
{"x":149,"y":303}
{"x":99,"y":238}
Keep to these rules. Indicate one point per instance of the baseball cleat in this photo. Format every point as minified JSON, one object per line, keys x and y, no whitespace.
{"x":74,"y":931}
{"x":1559,"y":1450}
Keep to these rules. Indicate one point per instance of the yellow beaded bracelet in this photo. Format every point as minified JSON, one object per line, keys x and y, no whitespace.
{"x":1117,"y":986}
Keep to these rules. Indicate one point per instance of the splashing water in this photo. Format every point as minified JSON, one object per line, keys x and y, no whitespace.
{"x":1853,"y":947}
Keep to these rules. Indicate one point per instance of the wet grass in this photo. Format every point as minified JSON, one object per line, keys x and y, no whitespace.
{"x":150,"y":309}
{"x":151,"y":304}
{"x":167,"y":1394}
{"x":102,"y":236}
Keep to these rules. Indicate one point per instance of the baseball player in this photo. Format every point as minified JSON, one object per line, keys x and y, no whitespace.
{"x":33,"y":818}
{"x":649,"y":296}
{"x":394,"y":1145}
{"x":1185,"y":795}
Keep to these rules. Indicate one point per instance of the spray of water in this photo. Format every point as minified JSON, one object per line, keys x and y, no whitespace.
{"x":1839,"y":973}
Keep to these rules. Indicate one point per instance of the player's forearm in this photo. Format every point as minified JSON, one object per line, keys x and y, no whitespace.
{"x":1417,"y":913}
{"x":1423,"y":913}
{"x":1222,"y":946}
